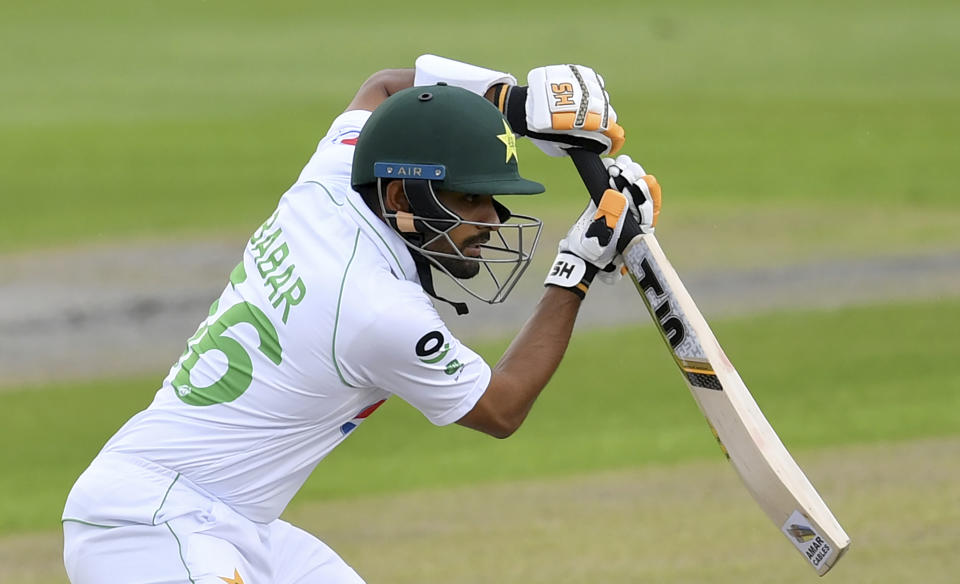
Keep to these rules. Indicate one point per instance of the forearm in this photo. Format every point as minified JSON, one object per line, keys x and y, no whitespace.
{"x":379,"y":86}
{"x":535,"y":353}
{"x":526,"y":366}
{"x":430,"y":69}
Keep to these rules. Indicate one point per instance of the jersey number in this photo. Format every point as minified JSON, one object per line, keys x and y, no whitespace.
{"x":236,"y":379}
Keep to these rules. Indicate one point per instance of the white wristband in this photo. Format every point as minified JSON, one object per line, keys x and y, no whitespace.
{"x":567,"y":270}
{"x":431,"y":69}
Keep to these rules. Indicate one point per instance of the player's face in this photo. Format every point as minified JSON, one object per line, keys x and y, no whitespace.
{"x":468,"y":238}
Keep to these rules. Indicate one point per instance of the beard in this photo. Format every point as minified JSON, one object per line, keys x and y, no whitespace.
{"x":460,"y":268}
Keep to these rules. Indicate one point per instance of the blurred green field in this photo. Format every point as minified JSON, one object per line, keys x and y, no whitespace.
{"x":184,"y":118}
{"x":831,"y":378}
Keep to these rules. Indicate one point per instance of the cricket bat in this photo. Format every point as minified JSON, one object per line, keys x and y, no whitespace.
{"x":768,"y":470}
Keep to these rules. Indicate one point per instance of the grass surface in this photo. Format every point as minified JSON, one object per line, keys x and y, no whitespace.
{"x":688,"y":523}
{"x":684,"y":524}
{"x":822,"y":379}
{"x":130,"y":119}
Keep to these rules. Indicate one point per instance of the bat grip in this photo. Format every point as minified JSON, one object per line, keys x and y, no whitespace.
{"x":594,"y":176}
{"x":592,"y":172}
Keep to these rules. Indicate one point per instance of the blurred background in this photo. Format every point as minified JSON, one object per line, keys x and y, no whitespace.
{"x":807,"y":154}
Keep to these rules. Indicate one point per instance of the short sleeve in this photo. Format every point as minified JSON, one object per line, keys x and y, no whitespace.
{"x":406,"y":349}
{"x":334,"y":155}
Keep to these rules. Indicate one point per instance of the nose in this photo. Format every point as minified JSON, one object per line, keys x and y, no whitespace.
{"x":490,"y":213}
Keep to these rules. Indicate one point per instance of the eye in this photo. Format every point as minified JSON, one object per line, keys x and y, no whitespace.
{"x":470,"y":198}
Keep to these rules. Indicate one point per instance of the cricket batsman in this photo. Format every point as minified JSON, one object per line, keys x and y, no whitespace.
{"x":330,"y":313}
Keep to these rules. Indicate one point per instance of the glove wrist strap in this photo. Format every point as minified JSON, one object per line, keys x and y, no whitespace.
{"x":571,"y":272}
{"x":511,"y":100}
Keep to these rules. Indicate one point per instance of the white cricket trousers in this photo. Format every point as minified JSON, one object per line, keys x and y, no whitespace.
{"x":117,"y":531}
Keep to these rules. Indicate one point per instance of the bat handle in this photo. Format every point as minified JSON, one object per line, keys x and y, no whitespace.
{"x":592,"y":172}
{"x":594,"y":176}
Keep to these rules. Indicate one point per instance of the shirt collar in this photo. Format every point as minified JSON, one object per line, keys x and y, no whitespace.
{"x":388,"y":241}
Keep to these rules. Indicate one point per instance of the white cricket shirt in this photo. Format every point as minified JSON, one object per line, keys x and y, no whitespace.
{"x":322,"y":321}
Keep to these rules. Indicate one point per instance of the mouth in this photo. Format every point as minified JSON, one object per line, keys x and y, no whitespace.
{"x":473,"y":247}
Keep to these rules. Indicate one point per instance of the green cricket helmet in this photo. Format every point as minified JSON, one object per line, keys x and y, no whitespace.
{"x":442,"y":138}
{"x":444,"y":134}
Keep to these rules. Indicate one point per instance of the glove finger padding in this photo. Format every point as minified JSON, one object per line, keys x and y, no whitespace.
{"x":643,"y":190}
{"x":643,"y":193}
{"x":598,"y":243}
{"x":613,"y":272}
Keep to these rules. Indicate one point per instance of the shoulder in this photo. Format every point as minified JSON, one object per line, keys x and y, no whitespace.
{"x":380,"y":300}
{"x":401,"y":345}
{"x":333,"y":157}
{"x":379,"y":311}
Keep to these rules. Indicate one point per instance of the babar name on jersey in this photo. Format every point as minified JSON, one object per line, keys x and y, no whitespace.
{"x":277,"y":270}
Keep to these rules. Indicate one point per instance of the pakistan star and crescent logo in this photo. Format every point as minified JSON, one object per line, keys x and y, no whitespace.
{"x":509,"y":140}
{"x":235,"y":580}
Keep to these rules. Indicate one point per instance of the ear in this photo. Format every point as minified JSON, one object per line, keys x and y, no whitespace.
{"x":395,"y":198}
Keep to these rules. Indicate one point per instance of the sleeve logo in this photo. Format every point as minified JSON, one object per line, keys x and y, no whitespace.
{"x":453,"y":367}
{"x":348,"y":137}
{"x":431,"y":347}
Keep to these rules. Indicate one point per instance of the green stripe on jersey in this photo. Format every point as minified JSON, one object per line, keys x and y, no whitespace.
{"x":336,"y":322}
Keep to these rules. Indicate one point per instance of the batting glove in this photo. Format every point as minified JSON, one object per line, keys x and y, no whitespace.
{"x":562,"y":106}
{"x":590,"y":245}
{"x":643,"y":193}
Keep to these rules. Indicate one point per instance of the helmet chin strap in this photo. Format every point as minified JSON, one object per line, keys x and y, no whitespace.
{"x":412,"y":233}
{"x":426,"y":281}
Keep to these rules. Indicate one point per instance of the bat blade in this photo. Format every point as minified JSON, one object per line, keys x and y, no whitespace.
{"x":767,"y":469}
